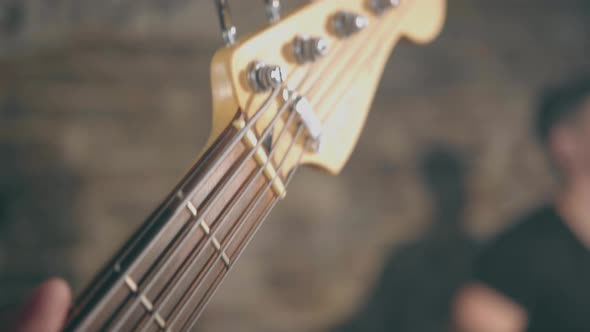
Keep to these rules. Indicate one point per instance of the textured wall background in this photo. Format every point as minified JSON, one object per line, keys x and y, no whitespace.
{"x":104,"y":104}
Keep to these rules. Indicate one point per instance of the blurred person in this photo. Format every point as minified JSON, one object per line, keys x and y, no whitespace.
{"x":536,"y":275}
{"x":406,"y":297}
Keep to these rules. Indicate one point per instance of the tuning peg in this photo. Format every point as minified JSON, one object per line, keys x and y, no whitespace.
{"x":273,"y":10}
{"x":263,"y":77}
{"x":346,"y":24}
{"x":380,"y":6}
{"x":309,"y":49}
{"x":228,"y":30}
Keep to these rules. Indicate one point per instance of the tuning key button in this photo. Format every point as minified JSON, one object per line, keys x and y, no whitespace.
{"x":262,"y":77}
{"x":380,"y":6}
{"x":346,"y":24}
{"x":309,"y":49}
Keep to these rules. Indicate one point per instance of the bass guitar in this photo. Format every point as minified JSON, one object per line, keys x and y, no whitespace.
{"x":295,"y":93}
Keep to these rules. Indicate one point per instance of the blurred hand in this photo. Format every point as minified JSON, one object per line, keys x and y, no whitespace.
{"x":46,"y":309}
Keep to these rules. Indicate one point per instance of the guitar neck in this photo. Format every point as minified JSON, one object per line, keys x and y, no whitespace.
{"x":164,"y":276}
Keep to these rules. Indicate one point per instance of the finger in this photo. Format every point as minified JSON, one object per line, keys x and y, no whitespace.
{"x":46,"y":309}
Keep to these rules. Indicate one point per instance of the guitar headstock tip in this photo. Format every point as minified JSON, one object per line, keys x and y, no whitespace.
{"x":426,"y":20}
{"x":330,"y":52}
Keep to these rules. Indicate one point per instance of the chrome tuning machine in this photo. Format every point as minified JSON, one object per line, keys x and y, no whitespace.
{"x":273,"y":10}
{"x":380,"y":6}
{"x":228,"y":30}
{"x":309,"y":49}
{"x":346,"y":24}
{"x":263,"y":77}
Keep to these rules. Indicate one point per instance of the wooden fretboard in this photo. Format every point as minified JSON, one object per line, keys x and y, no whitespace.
{"x":163,"y":277}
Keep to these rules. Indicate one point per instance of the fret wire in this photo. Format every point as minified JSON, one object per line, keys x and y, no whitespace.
{"x":217,"y":196}
{"x":243,"y":219}
{"x":247,"y":185}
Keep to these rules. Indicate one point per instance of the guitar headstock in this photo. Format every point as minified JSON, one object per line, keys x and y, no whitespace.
{"x":322,"y":63}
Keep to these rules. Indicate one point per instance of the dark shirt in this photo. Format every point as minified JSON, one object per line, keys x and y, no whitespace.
{"x":540,"y":264}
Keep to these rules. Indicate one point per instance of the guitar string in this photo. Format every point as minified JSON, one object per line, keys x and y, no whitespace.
{"x":217,"y":195}
{"x":249,"y":236}
{"x":251,"y":208}
{"x":375,"y":46}
{"x":253,"y":120}
{"x":229,"y":242}
{"x":196,"y":254}
{"x":350,"y":55}
{"x":231,"y":239}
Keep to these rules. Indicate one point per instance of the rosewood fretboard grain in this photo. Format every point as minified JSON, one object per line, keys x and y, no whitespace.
{"x":166,"y":273}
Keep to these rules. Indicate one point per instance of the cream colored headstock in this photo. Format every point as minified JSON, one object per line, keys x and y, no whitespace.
{"x":340,"y":86}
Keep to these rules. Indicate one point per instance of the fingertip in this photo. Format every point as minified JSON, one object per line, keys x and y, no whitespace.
{"x":57,"y":290}
{"x":47,"y":307}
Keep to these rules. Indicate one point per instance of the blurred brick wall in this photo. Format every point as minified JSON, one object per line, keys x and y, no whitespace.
{"x":104,"y":104}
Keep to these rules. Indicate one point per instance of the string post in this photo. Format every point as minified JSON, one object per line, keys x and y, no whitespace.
{"x":381,"y":6}
{"x":346,"y":24}
{"x":273,"y":10}
{"x":309,"y":49}
{"x":228,"y":29}
{"x":263,"y":77}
